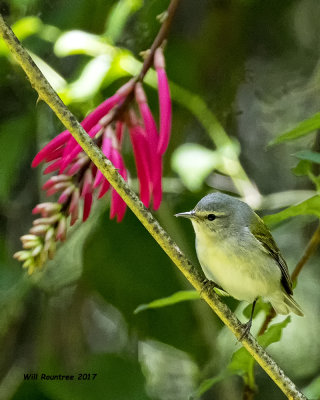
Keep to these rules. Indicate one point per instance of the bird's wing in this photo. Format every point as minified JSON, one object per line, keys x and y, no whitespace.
{"x":262,"y":234}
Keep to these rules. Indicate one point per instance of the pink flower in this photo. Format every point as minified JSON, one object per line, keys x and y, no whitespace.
{"x":77,"y":181}
{"x":164,"y":101}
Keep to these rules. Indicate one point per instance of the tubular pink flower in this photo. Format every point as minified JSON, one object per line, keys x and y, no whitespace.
{"x":74,"y":206}
{"x":46,"y":209}
{"x":92,"y":119}
{"x":53,"y":145}
{"x":46,"y":220}
{"x":57,"y":188}
{"x":75,"y":168}
{"x":55,"y":154}
{"x":99,"y":178}
{"x":157,"y":183}
{"x":164,"y":102}
{"x":153,"y":140}
{"x":87,"y":183}
{"x":147,"y":117}
{"x":66,"y":194}
{"x":72,"y":149}
{"x":39,"y":230}
{"x":87,"y":206}
{"x":119,"y":132}
{"x":118,"y":206}
{"x":104,"y":188}
{"x":61,"y":233}
{"x":53,"y":167}
{"x":140,"y":149}
{"x":55,"y":179}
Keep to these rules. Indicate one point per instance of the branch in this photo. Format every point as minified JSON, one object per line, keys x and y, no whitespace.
{"x":309,"y":251}
{"x":158,"y":41}
{"x":46,"y":93}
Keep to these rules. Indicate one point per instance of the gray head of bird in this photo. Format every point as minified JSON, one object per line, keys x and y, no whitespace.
{"x":220,"y":214}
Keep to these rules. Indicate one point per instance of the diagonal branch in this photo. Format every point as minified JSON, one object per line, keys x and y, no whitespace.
{"x":46,"y":93}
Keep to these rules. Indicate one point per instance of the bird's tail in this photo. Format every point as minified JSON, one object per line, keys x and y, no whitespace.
{"x":286,"y":304}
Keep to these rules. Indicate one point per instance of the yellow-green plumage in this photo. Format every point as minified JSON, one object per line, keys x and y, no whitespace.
{"x":237,"y":251}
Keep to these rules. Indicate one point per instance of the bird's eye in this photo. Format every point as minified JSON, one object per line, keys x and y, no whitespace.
{"x":211,"y":217}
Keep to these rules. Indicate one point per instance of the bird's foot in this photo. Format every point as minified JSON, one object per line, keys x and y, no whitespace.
{"x":208,"y":286}
{"x":246,"y":329}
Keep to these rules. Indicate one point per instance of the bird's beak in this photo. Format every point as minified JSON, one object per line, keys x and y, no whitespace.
{"x":188,"y":214}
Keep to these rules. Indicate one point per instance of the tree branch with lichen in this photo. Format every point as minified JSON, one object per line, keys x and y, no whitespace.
{"x":46,"y":93}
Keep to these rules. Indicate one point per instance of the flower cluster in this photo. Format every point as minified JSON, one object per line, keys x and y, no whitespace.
{"x":78,"y":182}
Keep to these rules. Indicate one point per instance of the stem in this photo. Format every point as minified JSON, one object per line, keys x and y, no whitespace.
{"x":248,"y":393}
{"x":161,"y":36}
{"x":309,"y":251}
{"x":46,"y":93}
{"x":159,"y":39}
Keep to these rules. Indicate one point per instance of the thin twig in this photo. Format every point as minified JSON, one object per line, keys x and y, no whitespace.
{"x":45,"y":91}
{"x":309,"y":251}
{"x":158,"y":41}
{"x":248,"y":393}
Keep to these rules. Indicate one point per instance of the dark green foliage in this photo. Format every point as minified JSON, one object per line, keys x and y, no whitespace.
{"x":242,"y":72}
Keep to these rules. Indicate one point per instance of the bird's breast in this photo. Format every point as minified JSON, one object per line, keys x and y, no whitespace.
{"x":238,"y":265}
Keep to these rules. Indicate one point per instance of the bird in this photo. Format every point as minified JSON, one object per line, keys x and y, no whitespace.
{"x":238,"y":253}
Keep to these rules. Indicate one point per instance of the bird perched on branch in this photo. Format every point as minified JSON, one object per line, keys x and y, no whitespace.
{"x":237,"y":251}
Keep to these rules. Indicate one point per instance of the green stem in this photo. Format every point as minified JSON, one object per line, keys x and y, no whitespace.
{"x":46,"y":93}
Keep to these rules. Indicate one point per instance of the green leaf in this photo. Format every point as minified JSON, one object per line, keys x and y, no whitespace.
{"x":302,"y":129}
{"x":273,"y":333}
{"x":89,"y":81}
{"x":80,"y":42}
{"x":302,"y":168}
{"x":312,"y":391}
{"x":208,"y":383}
{"x":308,"y":155}
{"x":193,"y":163}
{"x":119,"y":15}
{"x":260,"y":306}
{"x":177,"y":297}
{"x":307,"y":207}
{"x":242,"y":362}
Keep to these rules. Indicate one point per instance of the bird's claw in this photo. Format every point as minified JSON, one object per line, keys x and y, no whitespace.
{"x":246,"y":329}
{"x":208,"y":285}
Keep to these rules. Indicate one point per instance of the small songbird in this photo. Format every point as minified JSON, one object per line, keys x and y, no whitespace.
{"x":237,"y":251}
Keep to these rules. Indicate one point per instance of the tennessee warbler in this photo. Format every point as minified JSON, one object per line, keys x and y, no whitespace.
{"x":237,"y":251}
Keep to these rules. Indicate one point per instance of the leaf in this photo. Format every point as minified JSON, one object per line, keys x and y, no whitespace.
{"x":241,"y":362}
{"x":307,"y":207}
{"x":119,"y":15}
{"x":308,"y":155}
{"x":302,"y":129}
{"x":208,"y":383}
{"x":89,"y":81}
{"x":80,"y":42}
{"x":273,"y":333}
{"x":260,"y":306}
{"x":302,"y":168}
{"x":193,"y":163}
{"x":177,"y":297}
{"x":312,"y":391}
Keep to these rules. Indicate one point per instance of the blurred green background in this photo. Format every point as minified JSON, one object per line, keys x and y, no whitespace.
{"x":246,"y":67}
